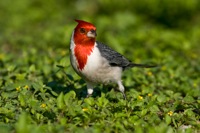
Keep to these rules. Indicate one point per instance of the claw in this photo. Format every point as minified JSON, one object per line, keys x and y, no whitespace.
{"x":124,"y":95}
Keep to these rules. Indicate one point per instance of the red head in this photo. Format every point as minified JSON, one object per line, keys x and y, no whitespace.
{"x":84,"y":33}
{"x":84,"y":40}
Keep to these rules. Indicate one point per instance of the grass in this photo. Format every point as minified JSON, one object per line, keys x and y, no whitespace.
{"x":40,"y":92}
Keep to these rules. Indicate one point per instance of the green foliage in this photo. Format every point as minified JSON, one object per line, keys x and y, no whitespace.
{"x":40,"y":92}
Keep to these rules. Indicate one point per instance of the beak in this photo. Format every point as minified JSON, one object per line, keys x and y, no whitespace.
{"x":92,"y":34}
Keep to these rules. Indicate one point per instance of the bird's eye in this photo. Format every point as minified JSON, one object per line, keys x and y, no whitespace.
{"x":82,"y":30}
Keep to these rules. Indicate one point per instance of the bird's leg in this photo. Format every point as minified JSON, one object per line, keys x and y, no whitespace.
{"x":89,"y":89}
{"x":121,"y":89}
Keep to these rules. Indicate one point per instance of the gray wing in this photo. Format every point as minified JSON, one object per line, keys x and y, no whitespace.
{"x":114,"y":58}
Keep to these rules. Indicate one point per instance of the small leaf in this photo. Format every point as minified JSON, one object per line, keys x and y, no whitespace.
{"x":168,"y":119}
{"x":69,"y":97}
{"x":161,"y":98}
{"x":102,"y":101}
{"x":154,"y":108}
{"x":189,"y":99}
{"x":144,"y":112}
{"x":60,"y":101}
{"x":32,"y":68}
{"x":22,"y":100}
{"x":89,"y":101}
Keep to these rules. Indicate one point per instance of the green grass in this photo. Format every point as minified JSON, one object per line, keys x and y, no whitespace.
{"x":38,"y":96}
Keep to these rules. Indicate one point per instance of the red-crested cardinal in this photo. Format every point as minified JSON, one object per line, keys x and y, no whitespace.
{"x":95,"y":62}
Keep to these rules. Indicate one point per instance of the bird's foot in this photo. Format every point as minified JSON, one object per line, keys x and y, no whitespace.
{"x":124,"y":95}
{"x":88,"y":95}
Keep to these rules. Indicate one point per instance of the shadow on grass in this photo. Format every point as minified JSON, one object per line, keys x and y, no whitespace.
{"x":59,"y":86}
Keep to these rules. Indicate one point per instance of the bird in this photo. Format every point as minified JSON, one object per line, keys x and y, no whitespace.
{"x":96,"y":62}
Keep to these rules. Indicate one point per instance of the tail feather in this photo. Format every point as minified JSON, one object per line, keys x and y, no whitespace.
{"x":142,"y":65}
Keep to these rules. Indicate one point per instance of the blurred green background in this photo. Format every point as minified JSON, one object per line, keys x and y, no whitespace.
{"x":35,"y":37}
{"x":42,"y":24}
